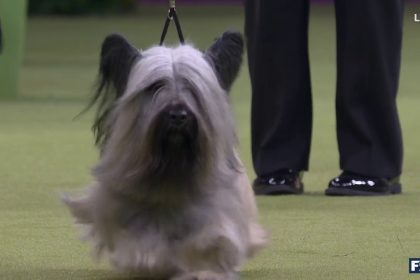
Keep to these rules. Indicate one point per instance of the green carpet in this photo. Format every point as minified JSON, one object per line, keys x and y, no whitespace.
{"x":44,"y":151}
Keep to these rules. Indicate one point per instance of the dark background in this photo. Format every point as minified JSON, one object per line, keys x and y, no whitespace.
{"x":81,"y":7}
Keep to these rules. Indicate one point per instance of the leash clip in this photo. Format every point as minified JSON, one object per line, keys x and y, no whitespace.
{"x":170,"y":14}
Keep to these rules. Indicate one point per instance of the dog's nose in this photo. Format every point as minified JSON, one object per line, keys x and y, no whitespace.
{"x":178,"y":114}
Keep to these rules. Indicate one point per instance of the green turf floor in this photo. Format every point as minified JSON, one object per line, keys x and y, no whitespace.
{"x":44,"y":151}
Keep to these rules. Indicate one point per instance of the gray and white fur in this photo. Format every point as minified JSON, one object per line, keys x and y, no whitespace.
{"x":171,"y":199}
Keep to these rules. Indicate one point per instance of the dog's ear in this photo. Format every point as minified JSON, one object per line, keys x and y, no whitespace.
{"x":116,"y":61}
{"x":225,"y":55}
{"x":117,"y":58}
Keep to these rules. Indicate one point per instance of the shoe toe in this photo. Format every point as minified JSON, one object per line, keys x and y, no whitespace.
{"x":362,"y":186}
{"x":281,"y":184}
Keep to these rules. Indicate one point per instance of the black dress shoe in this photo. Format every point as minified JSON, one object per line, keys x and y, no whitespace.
{"x":351,"y":184}
{"x":280,"y":183}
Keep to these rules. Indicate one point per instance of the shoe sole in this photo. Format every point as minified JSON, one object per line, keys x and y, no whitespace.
{"x":331,"y":191}
{"x":278,"y":190}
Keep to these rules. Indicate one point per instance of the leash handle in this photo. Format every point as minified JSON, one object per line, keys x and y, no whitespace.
{"x":172,"y":15}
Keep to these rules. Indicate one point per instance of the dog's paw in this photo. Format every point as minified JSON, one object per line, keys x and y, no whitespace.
{"x":207,"y":275}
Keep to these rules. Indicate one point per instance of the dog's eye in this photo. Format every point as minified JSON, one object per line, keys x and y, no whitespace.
{"x":155,"y":87}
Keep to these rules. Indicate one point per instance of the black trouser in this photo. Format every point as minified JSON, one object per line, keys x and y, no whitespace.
{"x":369,"y":34}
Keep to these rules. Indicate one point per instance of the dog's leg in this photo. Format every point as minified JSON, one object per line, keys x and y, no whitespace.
{"x":211,"y":258}
{"x":207,"y":275}
{"x":257,"y":235}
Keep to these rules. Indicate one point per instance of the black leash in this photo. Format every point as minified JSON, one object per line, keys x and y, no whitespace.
{"x":172,"y":15}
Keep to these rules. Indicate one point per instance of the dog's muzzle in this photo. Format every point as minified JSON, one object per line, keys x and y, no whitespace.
{"x":178,"y":117}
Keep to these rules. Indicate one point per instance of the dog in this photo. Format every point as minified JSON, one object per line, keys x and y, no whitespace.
{"x":170,"y":199}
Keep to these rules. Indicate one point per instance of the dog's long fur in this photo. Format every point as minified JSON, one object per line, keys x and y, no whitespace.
{"x":164,"y":204}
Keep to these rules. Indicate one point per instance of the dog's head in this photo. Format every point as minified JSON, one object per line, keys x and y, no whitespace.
{"x":165,"y":111}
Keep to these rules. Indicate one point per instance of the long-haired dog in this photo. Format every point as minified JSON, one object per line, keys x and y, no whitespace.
{"x":171,"y":198}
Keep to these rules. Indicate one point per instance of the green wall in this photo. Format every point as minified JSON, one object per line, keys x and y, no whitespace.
{"x":13,"y":20}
